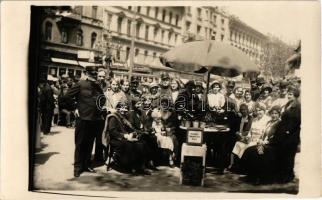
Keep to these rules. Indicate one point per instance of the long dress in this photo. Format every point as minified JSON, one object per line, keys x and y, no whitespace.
{"x":262,"y":165}
{"x":127,"y":154}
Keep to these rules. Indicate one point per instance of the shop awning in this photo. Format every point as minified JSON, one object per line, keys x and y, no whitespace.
{"x":86,"y":64}
{"x":64,"y":61}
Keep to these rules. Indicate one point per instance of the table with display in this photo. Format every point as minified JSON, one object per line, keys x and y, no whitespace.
{"x":217,"y":140}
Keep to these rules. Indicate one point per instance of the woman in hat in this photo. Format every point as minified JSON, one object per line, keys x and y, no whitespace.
{"x":165,"y":126}
{"x":287,"y":136}
{"x":259,"y":161}
{"x":175,"y":87}
{"x":129,"y":152}
{"x":265,"y":96}
{"x":249,"y":102}
{"x":113,"y":96}
{"x":216,"y":100}
{"x":155,"y":94}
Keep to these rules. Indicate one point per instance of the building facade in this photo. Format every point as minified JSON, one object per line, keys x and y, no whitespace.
{"x":68,"y":41}
{"x":86,"y":34}
{"x":205,"y":23}
{"x":247,"y":39}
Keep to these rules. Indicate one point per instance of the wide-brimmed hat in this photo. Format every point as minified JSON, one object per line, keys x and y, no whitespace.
{"x":267,"y":86}
{"x":215,"y":83}
{"x":164,"y":75}
{"x":153,"y":85}
{"x":260,"y":80}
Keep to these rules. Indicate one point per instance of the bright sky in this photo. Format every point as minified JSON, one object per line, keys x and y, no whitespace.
{"x":278,"y":20}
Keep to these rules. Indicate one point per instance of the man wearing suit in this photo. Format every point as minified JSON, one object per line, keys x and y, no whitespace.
{"x":87,"y":94}
{"x":47,"y":105}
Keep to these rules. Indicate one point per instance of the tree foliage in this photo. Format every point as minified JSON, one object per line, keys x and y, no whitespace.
{"x":275,"y":53}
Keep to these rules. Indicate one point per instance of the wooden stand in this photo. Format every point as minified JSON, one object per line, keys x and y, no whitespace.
{"x":193,"y":164}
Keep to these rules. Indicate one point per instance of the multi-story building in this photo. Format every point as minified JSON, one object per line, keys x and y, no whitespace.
{"x":68,"y":41}
{"x":156,"y":30}
{"x":246,"y":38}
{"x":205,"y":23}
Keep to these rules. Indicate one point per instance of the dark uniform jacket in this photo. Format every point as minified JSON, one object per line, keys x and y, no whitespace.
{"x":47,"y":100}
{"x":90,"y":99}
{"x":288,"y":130}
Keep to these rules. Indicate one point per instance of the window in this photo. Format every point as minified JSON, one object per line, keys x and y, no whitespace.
{"x":188,"y":25}
{"x":118,"y":54}
{"x":177,"y":20}
{"x":222,"y":21}
{"x":162,"y":35}
{"x":129,"y":24}
{"x":206,"y":32}
{"x":163,"y":15}
{"x":156,"y":13}
{"x":109,"y":21}
{"x":175,"y":38}
{"x":148,"y":11}
{"x":169,"y":37}
{"x":155,"y":32}
{"x":62,"y":71}
{"x":94,"y":12}
{"x":129,"y":7}
{"x":188,"y":10}
{"x":154,"y":56}
{"x":145,"y":55}
{"x":199,"y":12}
{"x":222,"y":37}
{"x":139,"y":9}
{"x":146,"y":32}
{"x":127,"y":55}
{"x":207,"y":13}
{"x":170,"y":17}
{"x":138,"y":26}
{"x":213,"y":37}
{"x":64,"y":35}
{"x":119,"y":24}
{"x":215,"y":18}
{"x":198,"y":29}
{"x":48,"y":30}
{"x":136,"y":52}
{"x":79,"y":38}
{"x":71,"y":72}
{"x":93,"y":39}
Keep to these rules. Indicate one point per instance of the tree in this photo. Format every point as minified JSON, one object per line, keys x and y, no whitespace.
{"x":274,"y":54}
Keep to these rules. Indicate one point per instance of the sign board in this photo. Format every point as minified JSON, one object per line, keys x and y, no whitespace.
{"x":83,"y":54}
{"x":195,"y":136}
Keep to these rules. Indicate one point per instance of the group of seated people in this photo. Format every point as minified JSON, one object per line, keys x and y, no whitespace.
{"x":142,"y":128}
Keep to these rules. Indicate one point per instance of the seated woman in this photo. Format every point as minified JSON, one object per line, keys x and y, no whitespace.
{"x":243,"y":123}
{"x":259,"y":161}
{"x":129,"y":152}
{"x":255,"y":133}
{"x":165,"y":125}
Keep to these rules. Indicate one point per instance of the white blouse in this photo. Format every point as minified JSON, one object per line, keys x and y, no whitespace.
{"x":216,"y":100}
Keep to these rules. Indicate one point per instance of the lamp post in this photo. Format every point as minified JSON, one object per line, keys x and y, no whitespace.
{"x":132,"y":43}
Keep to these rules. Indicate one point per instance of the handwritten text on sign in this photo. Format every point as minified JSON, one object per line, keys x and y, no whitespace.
{"x":195,"y":137}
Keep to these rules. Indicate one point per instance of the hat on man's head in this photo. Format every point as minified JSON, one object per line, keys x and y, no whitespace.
{"x":91,"y":70}
{"x":135,"y":79}
{"x":190,"y":84}
{"x":153,"y":85}
{"x":260,"y":80}
{"x":268,"y":87}
{"x":283,"y":84}
{"x":231,"y":83}
{"x":215,"y":83}
{"x":164,"y":75}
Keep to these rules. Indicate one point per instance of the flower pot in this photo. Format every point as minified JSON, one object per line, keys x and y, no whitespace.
{"x":195,"y":124}
{"x":187,"y":123}
{"x":202,"y":124}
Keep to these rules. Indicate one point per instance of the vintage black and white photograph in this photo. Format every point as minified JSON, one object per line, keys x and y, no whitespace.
{"x":203,"y":98}
{"x":166,"y":99}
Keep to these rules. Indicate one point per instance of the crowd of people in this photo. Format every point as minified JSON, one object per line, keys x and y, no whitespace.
{"x":137,"y":123}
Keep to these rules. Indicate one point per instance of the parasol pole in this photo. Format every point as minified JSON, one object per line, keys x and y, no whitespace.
{"x":207,"y":87}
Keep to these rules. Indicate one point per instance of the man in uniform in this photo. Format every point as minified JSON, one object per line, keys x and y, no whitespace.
{"x":165,"y":85}
{"x":88,"y":94}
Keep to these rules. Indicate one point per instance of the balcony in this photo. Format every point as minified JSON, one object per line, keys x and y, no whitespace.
{"x":68,"y":19}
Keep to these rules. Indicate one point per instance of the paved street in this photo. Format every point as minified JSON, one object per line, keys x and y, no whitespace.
{"x":54,"y":171}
